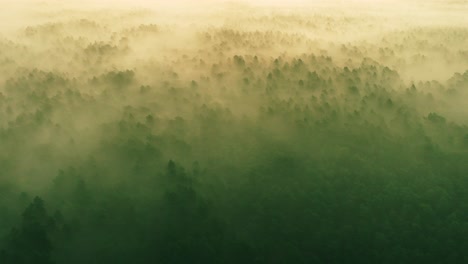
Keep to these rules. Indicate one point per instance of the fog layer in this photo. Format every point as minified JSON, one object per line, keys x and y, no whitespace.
{"x":233,"y":132}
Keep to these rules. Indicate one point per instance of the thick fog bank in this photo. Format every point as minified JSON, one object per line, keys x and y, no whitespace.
{"x":233,"y":131}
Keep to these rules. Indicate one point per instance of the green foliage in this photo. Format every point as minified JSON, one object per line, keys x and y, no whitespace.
{"x":31,"y":243}
{"x":283,"y":144}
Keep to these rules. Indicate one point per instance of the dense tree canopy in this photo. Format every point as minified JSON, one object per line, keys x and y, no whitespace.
{"x":260,"y":135}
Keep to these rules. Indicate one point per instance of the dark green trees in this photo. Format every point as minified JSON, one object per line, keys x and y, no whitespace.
{"x":190,"y":231}
{"x":30,"y":243}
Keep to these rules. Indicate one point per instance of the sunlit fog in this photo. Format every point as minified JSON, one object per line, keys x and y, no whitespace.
{"x":233,"y":131}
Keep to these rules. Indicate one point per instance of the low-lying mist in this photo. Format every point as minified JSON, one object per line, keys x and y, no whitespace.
{"x":233,"y":131}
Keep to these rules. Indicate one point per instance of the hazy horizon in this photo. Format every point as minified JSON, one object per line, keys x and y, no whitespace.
{"x":233,"y":131}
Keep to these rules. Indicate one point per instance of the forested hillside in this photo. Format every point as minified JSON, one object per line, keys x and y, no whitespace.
{"x":234,"y":133}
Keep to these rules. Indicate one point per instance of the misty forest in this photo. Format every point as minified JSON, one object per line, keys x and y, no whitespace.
{"x":233,"y":132}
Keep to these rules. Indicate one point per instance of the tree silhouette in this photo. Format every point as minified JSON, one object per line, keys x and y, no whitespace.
{"x":30,"y":244}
